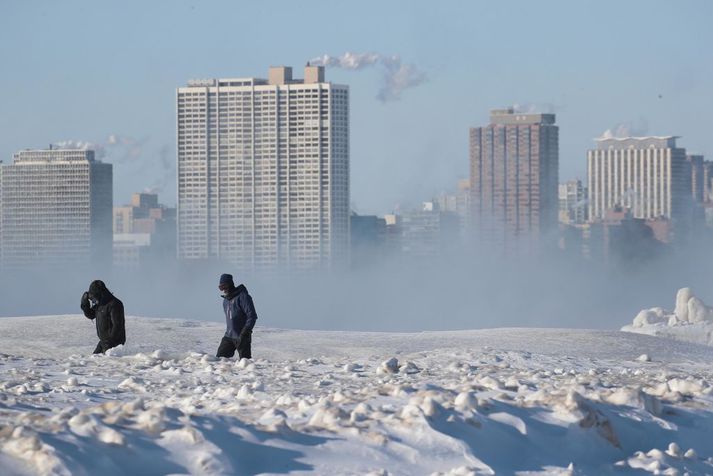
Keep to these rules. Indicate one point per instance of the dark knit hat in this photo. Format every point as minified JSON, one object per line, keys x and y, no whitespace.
{"x":226,"y":279}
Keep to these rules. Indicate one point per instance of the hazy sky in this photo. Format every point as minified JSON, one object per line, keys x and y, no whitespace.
{"x":88,"y":70}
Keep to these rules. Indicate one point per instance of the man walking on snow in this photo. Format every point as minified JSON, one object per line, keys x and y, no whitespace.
{"x":107,"y":312}
{"x":240,"y":317}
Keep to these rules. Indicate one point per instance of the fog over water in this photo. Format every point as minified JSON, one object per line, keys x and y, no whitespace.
{"x":460,"y":291}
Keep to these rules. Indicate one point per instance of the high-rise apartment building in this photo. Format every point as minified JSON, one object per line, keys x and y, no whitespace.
{"x":648,"y":175}
{"x":513,"y":180}
{"x":56,"y":209}
{"x":263,"y":170}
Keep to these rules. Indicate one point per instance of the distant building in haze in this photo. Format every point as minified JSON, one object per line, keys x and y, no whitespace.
{"x":263,"y":171}
{"x":56,"y":209}
{"x":144,"y":232}
{"x":513,"y":181}
{"x":572,"y":203}
{"x":648,"y":175}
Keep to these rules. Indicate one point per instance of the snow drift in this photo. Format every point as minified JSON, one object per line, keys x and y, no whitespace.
{"x":503,"y":401}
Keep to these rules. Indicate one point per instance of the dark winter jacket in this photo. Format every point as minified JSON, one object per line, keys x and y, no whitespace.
{"x":108,"y":316}
{"x":240,"y":315}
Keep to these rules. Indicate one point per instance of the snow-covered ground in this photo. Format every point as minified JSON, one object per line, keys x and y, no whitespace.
{"x":503,"y":401}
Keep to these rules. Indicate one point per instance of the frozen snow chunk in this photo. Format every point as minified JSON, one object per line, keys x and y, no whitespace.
{"x":111,"y":437}
{"x":133,"y":383}
{"x":409,"y":368}
{"x":134,"y":406}
{"x":624,"y":396}
{"x":187,"y":434}
{"x":466,"y":401}
{"x":245,"y":392}
{"x":644,"y":358}
{"x":153,"y":420}
{"x":353,"y":367}
{"x":682,"y":298}
{"x":430,"y":407}
{"x":390,"y":366}
{"x":685,"y":387}
{"x":72,"y":382}
{"x":245,"y":364}
{"x":674,"y":450}
{"x":698,"y":311}
{"x":273,"y":420}
{"x":490,"y":382}
{"x":361,"y":412}
{"x":83,"y":424}
{"x":647,"y":317}
{"x":327,"y":417}
{"x":118,"y":351}
{"x":160,"y":354}
{"x":285,"y":400}
{"x":691,"y":454}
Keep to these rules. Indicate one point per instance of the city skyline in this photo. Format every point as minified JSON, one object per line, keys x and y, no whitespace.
{"x":603,"y":85}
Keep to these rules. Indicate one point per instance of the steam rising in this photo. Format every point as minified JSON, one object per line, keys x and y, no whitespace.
{"x":135,"y":156}
{"x":627,"y":129}
{"x":396,"y":76}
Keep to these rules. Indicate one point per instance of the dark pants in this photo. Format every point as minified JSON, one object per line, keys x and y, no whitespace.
{"x":101,"y":348}
{"x":228,"y":347}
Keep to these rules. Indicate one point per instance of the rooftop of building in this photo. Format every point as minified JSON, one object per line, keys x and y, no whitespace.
{"x":509,"y":116}
{"x":660,"y":142}
{"x":277,"y":75}
{"x":54,"y":154}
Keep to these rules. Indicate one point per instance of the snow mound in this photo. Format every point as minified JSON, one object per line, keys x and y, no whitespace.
{"x":691,"y":320}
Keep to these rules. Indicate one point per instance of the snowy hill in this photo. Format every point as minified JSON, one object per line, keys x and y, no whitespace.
{"x":505,"y":401}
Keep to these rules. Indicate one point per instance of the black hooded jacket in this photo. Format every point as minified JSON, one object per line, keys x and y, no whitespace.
{"x":108,"y":315}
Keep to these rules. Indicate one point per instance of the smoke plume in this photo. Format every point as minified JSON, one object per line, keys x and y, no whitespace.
{"x":396,"y":76}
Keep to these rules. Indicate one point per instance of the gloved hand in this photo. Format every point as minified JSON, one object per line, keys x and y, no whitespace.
{"x":242,"y":336}
{"x":84,"y":304}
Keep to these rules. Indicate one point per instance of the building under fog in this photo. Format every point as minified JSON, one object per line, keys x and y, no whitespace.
{"x":144,"y":232}
{"x":648,"y":175}
{"x":263,"y":170}
{"x":56,"y":209}
{"x":513,"y":180}
{"x":572,"y":203}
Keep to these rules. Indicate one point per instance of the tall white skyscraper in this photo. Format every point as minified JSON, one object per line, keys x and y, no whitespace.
{"x":56,"y":209}
{"x":648,"y":175}
{"x":263,"y":170}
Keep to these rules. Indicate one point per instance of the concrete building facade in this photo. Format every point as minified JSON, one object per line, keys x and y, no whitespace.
{"x":56,"y":209}
{"x":263,"y":170}
{"x":648,"y":175}
{"x":513,"y":180}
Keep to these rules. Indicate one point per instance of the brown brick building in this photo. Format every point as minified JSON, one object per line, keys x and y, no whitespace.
{"x":514,"y":178}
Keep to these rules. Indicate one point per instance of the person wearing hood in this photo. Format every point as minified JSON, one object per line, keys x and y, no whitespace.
{"x":240,"y":317}
{"x":107,"y":312}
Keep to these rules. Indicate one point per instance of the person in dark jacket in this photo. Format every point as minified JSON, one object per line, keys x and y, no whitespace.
{"x":100,"y":305}
{"x":240,"y":317}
